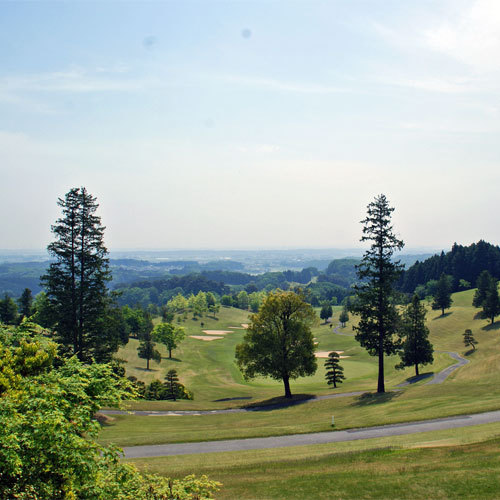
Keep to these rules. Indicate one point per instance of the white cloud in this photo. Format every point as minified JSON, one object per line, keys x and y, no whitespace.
{"x":470,"y":35}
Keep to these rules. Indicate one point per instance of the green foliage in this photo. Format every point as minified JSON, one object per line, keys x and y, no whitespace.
{"x":25,"y":303}
{"x":462,"y":263}
{"x":334,"y":372}
{"x":147,"y":351}
{"x":416,"y":349}
{"x":8,"y":310}
{"x":242,"y":299}
{"x":48,"y":431}
{"x":168,"y":335}
{"x":491,"y":302}
{"x":469,"y":340}
{"x":226,"y":300}
{"x":278,"y":342}
{"x":326,"y":312}
{"x":442,"y":296}
{"x":76,"y":281}
{"x":483,"y":286}
{"x":378,"y":317}
{"x":344,"y":316}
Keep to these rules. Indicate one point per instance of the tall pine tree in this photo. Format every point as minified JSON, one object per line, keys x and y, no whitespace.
{"x":76,"y":282}
{"x":377,"y":273}
{"x":417,"y":350}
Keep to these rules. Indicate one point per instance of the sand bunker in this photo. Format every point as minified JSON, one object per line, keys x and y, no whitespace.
{"x":216,"y":332}
{"x":205,"y":337}
{"x":236,"y":327}
{"x":244,"y":325}
{"x":324,"y":354}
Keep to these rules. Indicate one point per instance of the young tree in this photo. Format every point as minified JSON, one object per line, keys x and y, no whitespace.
{"x":147,"y":351}
{"x":344,"y":316}
{"x":25,"y":303}
{"x":491,"y":303}
{"x":172,"y":385}
{"x":469,"y":340}
{"x":335,"y":373}
{"x":417,"y":350}
{"x":483,"y":284}
{"x":169,"y":335}
{"x":278,"y":342}
{"x":326,"y":312}
{"x":243,"y":300}
{"x":442,"y":297}
{"x":8,"y":310}
{"x":377,"y":273}
{"x":76,"y":282}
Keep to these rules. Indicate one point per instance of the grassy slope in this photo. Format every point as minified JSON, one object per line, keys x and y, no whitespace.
{"x":473,"y":388}
{"x":438,"y":464}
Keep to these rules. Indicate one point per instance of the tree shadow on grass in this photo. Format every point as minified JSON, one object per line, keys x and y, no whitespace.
{"x":166,"y":358}
{"x":491,"y":326}
{"x":279,"y":402}
{"x":479,"y":315}
{"x":375,"y":398}
{"x":441,"y":316}
{"x":416,"y":378}
{"x":470,"y":352}
{"x":140,"y":368}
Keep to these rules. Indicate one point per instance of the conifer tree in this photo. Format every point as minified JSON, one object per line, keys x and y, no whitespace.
{"x":442,"y":297}
{"x":483,"y":285}
{"x":491,"y":303}
{"x":172,"y":385}
{"x":335,"y":373}
{"x":8,"y":310}
{"x":469,"y":340}
{"x":76,"y":282}
{"x":147,"y":350}
{"x":25,"y":303}
{"x":326,"y":312}
{"x":375,"y":294}
{"x":417,"y":350}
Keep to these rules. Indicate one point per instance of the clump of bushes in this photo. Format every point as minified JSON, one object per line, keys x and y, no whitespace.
{"x":157,"y":390}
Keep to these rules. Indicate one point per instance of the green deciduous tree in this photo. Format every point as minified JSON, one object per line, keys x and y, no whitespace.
{"x":442,"y":297}
{"x":374,"y":303}
{"x":48,"y":430}
{"x":416,"y":348}
{"x":169,"y":335}
{"x":334,"y":372}
{"x":76,"y":282}
{"x":278,"y":342}
{"x":326,"y":312}
{"x":344,"y":316}
{"x":469,"y":340}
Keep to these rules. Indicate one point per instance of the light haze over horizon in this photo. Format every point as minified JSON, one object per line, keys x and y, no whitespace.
{"x":251,"y":124}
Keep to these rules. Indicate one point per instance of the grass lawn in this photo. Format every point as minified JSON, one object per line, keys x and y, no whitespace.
{"x":208,"y":369}
{"x":455,"y":463}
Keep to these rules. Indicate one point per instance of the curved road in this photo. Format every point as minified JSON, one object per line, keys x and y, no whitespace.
{"x":315,"y":438}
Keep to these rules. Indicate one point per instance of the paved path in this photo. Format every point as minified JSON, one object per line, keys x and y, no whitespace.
{"x":444,"y":374}
{"x":314,"y":438}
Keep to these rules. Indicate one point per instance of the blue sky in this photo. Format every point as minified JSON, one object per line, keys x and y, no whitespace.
{"x":249,"y":123}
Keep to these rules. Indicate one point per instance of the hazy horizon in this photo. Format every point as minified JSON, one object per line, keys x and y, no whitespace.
{"x":251,"y":124}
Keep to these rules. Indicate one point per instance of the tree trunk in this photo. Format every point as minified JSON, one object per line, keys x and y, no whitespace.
{"x":286,"y":382}
{"x":380,"y":386}
{"x":169,"y":353}
{"x":416,"y":369}
{"x":147,"y":364}
{"x":442,"y":311}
